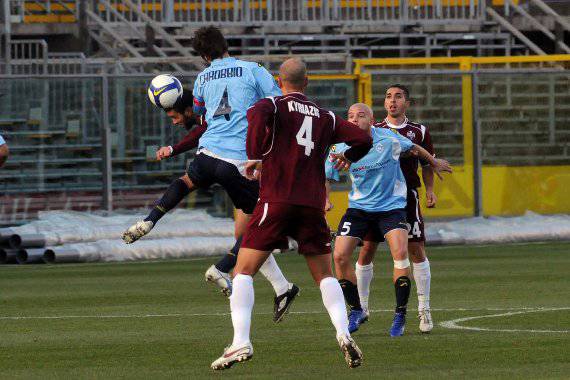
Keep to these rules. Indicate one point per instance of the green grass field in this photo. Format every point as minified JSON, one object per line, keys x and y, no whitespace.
{"x":160,"y":320}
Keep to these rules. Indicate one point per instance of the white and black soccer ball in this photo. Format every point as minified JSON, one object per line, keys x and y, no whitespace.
{"x":164,"y":90}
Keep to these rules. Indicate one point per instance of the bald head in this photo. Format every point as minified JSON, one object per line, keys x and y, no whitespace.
{"x":361,"y":107}
{"x":361,"y":115}
{"x":293,"y":74}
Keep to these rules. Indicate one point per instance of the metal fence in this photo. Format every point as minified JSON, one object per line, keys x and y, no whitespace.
{"x":87,"y":142}
{"x":264,"y":12}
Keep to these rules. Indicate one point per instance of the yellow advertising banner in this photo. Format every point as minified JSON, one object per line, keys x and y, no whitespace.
{"x":507,"y":191}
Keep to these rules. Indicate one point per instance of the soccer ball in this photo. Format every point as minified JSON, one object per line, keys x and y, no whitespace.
{"x":164,"y":90}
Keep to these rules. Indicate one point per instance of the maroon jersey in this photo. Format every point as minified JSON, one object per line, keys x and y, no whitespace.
{"x":190,"y":141}
{"x":419,"y":135}
{"x":292,"y":135}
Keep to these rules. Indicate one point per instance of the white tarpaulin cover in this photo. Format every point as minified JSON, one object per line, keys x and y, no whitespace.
{"x":171,"y":248}
{"x":191,"y":233}
{"x":489,"y":230}
{"x":63,"y":227}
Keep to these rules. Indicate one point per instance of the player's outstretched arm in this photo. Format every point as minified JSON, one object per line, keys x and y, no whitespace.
{"x":190,"y":141}
{"x":439,"y":165}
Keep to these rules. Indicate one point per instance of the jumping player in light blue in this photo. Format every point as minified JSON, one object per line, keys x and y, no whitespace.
{"x":222,"y":93}
{"x":378,"y":199}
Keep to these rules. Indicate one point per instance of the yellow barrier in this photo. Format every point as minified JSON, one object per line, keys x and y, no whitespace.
{"x":507,"y":191}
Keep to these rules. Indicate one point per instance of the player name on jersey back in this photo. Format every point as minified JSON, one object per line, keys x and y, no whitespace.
{"x":230,"y":72}
{"x":303,"y":108}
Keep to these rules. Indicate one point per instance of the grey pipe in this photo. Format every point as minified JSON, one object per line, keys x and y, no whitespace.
{"x":5,"y":234}
{"x":8,"y":256}
{"x":27,"y":241}
{"x":30,"y":256}
{"x":61,"y":255}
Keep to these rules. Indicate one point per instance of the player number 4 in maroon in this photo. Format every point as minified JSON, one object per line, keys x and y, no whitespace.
{"x":288,"y":139}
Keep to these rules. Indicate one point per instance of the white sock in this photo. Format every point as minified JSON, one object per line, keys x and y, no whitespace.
{"x":334,"y":303}
{"x":364,"y":274}
{"x":273,"y":274}
{"x":422,"y":275}
{"x":241,"y":304}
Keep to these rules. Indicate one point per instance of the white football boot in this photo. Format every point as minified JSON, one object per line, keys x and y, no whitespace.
{"x":350,"y":350}
{"x":137,"y":231}
{"x":220,"y":279}
{"x":233,"y":355}
{"x":426,"y":322}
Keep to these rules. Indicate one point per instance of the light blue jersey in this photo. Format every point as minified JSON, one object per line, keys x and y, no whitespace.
{"x":224,"y":91}
{"x":378,"y":183}
{"x":2,"y":141}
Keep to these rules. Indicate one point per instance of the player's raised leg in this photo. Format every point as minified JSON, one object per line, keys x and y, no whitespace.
{"x":364,"y":270}
{"x":219,"y":273}
{"x":177,"y":191}
{"x":422,"y":276}
{"x":397,"y":240}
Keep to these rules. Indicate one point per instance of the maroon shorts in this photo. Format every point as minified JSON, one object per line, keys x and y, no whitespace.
{"x":271,"y":223}
{"x":414,"y":219}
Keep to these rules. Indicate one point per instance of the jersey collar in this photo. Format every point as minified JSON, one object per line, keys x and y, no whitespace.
{"x":222,"y":61}
{"x":390,"y":125}
{"x":298,"y":95}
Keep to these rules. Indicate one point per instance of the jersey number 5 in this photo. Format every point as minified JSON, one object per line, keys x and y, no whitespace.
{"x":305,"y":135}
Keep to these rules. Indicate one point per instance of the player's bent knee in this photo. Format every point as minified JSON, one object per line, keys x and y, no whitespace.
{"x":342,"y":258}
{"x":402,"y":264}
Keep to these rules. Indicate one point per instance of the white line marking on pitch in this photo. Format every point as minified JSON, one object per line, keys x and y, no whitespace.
{"x":177,"y":315}
{"x":453,"y":324}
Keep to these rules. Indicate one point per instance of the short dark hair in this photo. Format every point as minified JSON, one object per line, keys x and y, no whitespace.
{"x":401,"y":87}
{"x":209,"y":42}
{"x":185,"y":101}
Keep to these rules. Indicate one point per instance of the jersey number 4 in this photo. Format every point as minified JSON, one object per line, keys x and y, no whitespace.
{"x":305,"y":135}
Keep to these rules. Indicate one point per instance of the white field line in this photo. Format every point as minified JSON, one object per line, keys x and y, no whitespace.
{"x":454,"y":323}
{"x":518,"y":310}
